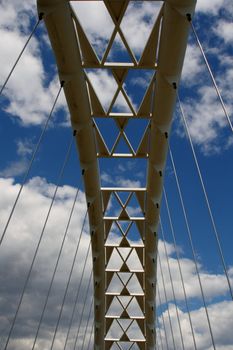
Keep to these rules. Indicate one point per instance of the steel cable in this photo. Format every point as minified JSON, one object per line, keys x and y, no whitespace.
{"x":76,"y":298}
{"x":192,"y":248}
{"x":164,"y":328}
{"x":91,"y":334}
{"x":216,"y":234}
{"x":211,"y":75}
{"x":172,"y":285}
{"x":55,"y":269}
{"x":30,"y":163}
{"x":158,"y":346}
{"x":22,"y":51}
{"x":159,"y":330}
{"x":166,"y":299}
{"x":87,"y":324}
{"x":41,"y":236}
{"x":83,"y":308}
{"x":180,"y":269}
{"x":69,"y":279}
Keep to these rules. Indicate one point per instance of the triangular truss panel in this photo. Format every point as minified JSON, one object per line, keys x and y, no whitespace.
{"x":97,"y":66}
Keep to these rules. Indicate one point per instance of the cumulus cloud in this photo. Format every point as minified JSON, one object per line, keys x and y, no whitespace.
{"x":31,"y":106}
{"x":18,"y":248}
{"x":98,"y":24}
{"x":209,"y":7}
{"x":222,"y":332}
{"x":105,"y":87}
{"x":119,"y":175}
{"x":206,"y":118}
{"x":16,"y":255}
{"x":139,"y":18}
{"x":207,"y":122}
{"x":193,"y":66}
{"x":224,"y":30}
{"x":120,"y":181}
{"x":28,"y":102}
{"x":19,"y":166}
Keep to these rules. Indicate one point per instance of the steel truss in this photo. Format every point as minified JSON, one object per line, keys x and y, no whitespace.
{"x":131,"y":284}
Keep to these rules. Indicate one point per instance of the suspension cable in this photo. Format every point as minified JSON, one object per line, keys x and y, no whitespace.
{"x":24,"y":47}
{"x":87,"y":324}
{"x":77,"y":297}
{"x":158,"y":345}
{"x":216,"y":234}
{"x":69,"y":279}
{"x":160,"y":303}
{"x":41,"y":236}
{"x":30,"y":163}
{"x":83,"y":308}
{"x":210,"y":73}
{"x":159,"y":331}
{"x":192,"y":247}
{"x":156,"y":316}
{"x":172,"y":285}
{"x":179,"y":267}
{"x":55,"y":269}
{"x":166,"y":299}
{"x":90,"y":337}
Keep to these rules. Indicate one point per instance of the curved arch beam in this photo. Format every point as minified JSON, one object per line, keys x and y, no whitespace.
{"x":73,"y":52}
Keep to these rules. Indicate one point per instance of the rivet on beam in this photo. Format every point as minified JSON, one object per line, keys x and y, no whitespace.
{"x":189,"y":17}
{"x":41,"y":15}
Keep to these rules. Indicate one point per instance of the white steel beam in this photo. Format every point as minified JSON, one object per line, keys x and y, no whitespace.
{"x":114,"y":262}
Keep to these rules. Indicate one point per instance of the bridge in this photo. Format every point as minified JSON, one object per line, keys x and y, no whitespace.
{"x":131,"y":291}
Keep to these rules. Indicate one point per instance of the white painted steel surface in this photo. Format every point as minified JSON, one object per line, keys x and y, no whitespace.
{"x":164,"y":54}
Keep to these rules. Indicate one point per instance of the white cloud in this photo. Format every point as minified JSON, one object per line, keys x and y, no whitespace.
{"x":15,"y":168}
{"x":27,"y":222}
{"x":208,"y":124}
{"x":206,"y":120}
{"x":106,"y":178}
{"x":24,"y":231}
{"x":123,"y":182}
{"x":221,"y":330}
{"x":105,"y":87}
{"x":139,"y":18}
{"x":118,"y":176}
{"x":120,"y":181}
{"x":209,"y":6}
{"x":24,"y":147}
{"x":29,"y":95}
{"x":19,"y":166}
{"x":32,"y":105}
{"x":96,"y":22}
{"x":193,"y":66}
{"x":213,"y":284}
{"x":225,"y":31}
{"x":17,"y":19}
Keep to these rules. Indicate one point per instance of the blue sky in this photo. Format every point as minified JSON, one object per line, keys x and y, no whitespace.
{"x":25,"y":104}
